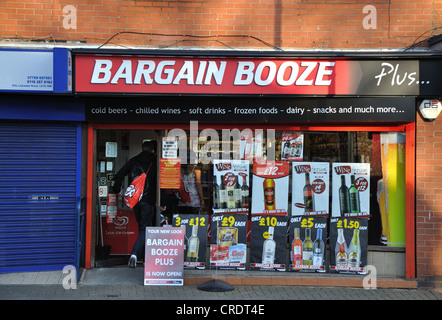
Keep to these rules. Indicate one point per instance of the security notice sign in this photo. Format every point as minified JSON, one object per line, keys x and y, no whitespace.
{"x":164,"y":256}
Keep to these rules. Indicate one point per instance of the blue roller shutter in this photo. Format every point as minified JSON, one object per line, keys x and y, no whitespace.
{"x":39,"y":192}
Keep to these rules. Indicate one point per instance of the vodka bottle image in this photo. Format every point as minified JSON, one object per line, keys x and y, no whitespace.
{"x":269,"y":194}
{"x":341,"y":250}
{"x":268,"y":248}
{"x":318,"y":250}
{"x":309,"y":200}
{"x":344,"y":197}
{"x":354,"y":197}
{"x":307,"y":249}
{"x":193,"y":245}
{"x":296,"y":250}
{"x":222,"y":194}
{"x":237,"y":193}
{"x":215,"y":191}
{"x":354,"y":251}
{"x":244,"y":194}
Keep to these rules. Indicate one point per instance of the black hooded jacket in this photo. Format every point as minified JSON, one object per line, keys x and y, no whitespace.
{"x":136,"y":166}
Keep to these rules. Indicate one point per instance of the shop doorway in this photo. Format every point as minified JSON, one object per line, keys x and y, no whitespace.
{"x":115,"y":228}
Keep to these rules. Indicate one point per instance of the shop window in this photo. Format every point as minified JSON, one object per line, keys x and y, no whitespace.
{"x":383,"y":152}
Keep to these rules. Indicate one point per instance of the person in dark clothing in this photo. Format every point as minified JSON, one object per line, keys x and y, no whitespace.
{"x":145,"y":209}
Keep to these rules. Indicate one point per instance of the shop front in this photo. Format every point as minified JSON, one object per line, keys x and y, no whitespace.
{"x":289,"y":163}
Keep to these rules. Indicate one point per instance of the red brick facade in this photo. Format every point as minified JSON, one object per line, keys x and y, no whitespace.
{"x":263,"y":24}
{"x":428,"y":199}
{"x":294,"y":24}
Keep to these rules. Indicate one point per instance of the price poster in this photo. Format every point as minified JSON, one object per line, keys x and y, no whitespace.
{"x":231,"y":186}
{"x":228,"y":248}
{"x":268,"y":243}
{"x":164,"y":256}
{"x":195,"y":239}
{"x":310,"y":188}
{"x":270,"y":190}
{"x":351,"y":190}
{"x":348,"y":245}
{"x":292,"y":146}
{"x":307,"y":239}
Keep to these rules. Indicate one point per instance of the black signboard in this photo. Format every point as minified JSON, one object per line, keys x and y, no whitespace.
{"x":241,"y":109}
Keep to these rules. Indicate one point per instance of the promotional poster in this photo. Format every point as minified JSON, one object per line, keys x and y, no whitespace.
{"x":231,"y":186}
{"x":351,"y":190}
{"x":270,"y":190}
{"x":164,"y":255}
{"x":195,"y":238}
{"x":310,"y":188}
{"x":348,"y":245}
{"x":228,"y":245}
{"x":292,"y":146}
{"x":307,"y":239}
{"x":268,"y":243}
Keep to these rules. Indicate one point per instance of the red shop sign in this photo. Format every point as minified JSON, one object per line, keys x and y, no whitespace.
{"x":141,"y":74}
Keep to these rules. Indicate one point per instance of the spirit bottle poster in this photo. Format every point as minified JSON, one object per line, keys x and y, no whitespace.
{"x":348,"y":245}
{"x":195,"y":238}
{"x":307,"y":239}
{"x":268,"y":243}
{"x":310,"y":188}
{"x":230,"y":186}
{"x":228,"y":245}
{"x":351,"y":190}
{"x":270,"y":190}
{"x":292,"y":145}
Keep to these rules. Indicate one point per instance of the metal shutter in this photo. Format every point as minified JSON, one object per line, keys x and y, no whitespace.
{"x":39,"y":195}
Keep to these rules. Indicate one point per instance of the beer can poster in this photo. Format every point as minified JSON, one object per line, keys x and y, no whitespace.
{"x":268,"y":243}
{"x":228,"y":248}
{"x":351,"y":190}
{"x":307,"y":239}
{"x":348,"y":245}
{"x":195,"y":238}
{"x":310,"y":188}
{"x":164,"y":256}
{"x":270,"y":190}
{"x":292,"y":146}
{"x":231,"y":186}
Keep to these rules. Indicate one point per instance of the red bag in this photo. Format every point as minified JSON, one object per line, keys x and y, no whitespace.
{"x":134,"y":192}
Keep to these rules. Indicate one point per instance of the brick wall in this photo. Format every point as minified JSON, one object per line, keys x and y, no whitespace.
{"x":294,"y":24}
{"x":429,"y":198}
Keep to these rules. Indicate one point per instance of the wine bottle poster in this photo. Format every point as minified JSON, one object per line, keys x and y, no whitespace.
{"x":292,"y":146}
{"x":228,"y":243}
{"x":195,"y":238}
{"x":351,"y":190}
{"x":310,"y":188}
{"x":348,"y":245}
{"x":307,"y":239}
{"x":270,"y":189}
{"x":268,"y":243}
{"x":230,"y":186}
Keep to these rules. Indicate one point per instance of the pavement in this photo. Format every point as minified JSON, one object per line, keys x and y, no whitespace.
{"x":122,"y":283}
